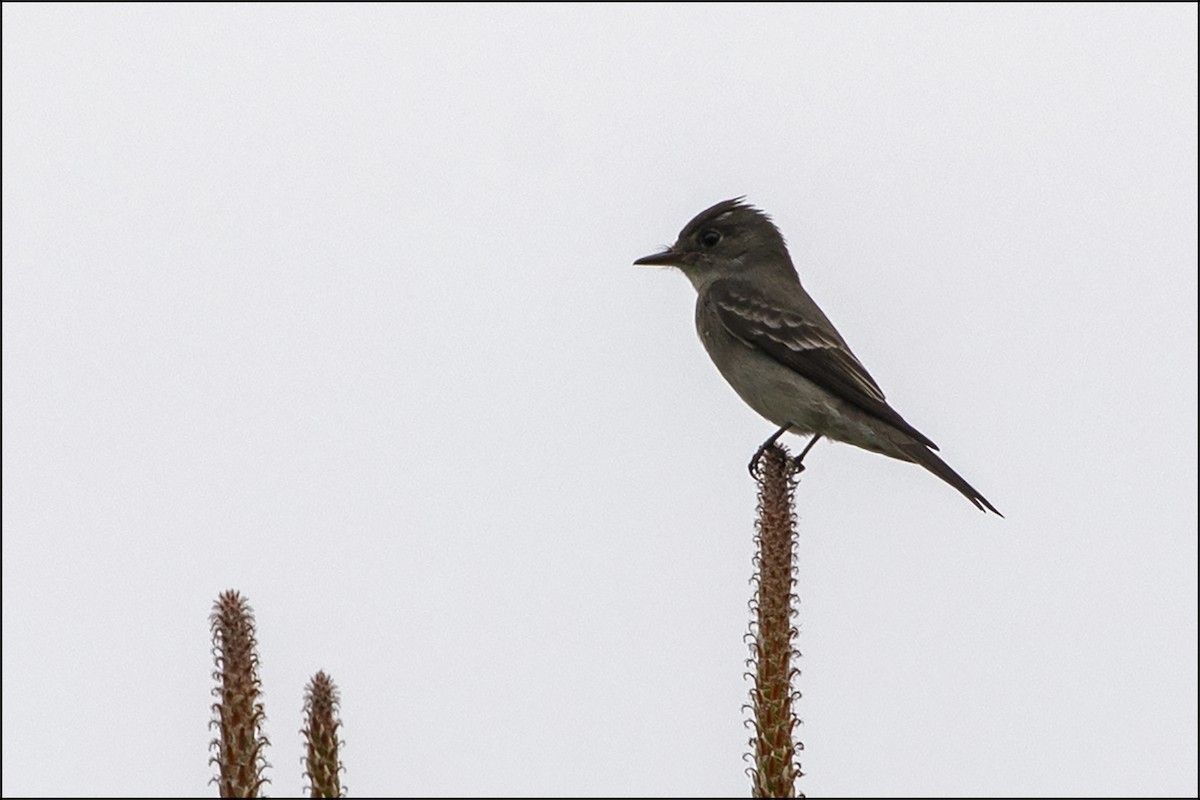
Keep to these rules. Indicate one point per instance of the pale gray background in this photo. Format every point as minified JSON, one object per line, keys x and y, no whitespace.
{"x":335,"y":306}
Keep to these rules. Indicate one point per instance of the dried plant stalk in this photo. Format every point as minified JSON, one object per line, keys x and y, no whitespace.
{"x":321,"y":724}
{"x":775,"y":766}
{"x":238,"y":715}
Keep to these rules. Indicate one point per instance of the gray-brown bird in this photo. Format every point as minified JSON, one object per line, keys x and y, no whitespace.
{"x":776,"y":347}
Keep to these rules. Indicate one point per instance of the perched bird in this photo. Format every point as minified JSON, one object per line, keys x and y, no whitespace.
{"x":776,"y":347}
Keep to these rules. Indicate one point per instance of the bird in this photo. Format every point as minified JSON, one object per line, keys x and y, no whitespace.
{"x":778,"y":349}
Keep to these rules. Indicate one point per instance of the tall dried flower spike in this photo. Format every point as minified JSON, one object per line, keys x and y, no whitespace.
{"x":775,"y":766}
{"x":321,"y":724}
{"x":238,"y":713}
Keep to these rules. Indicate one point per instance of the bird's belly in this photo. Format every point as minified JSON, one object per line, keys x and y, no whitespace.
{"x":787,"y":398}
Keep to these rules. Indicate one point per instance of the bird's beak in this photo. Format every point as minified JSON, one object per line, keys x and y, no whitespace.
{"x":667,"y":258}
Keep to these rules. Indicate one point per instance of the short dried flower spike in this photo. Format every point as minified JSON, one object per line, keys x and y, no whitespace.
{"x":321,"y":724}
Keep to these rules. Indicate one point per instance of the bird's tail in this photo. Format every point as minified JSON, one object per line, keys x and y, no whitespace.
{"x":930,"y":461}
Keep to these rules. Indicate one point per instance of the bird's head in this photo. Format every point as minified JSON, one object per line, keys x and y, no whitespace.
{"x":726,"y":239}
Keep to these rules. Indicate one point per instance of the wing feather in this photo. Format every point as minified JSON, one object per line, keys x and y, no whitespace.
{"x":806,"y":346}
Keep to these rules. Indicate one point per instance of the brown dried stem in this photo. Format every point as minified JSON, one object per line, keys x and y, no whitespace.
{"x":775,"y":766}
{"x":238,"y":714}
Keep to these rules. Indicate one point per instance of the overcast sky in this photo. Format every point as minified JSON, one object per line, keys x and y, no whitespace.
{"x":335,"y":306}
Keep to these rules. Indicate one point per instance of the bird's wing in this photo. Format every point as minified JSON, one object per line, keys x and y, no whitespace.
{"x":804,"y":345}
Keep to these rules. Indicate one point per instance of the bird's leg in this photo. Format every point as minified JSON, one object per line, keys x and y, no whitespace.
{"x":762,"y":448}
{"x":798,"y":461}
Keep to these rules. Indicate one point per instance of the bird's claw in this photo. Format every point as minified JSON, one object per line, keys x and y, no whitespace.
{"x":753,"y":466}
{"x":762,"y":448}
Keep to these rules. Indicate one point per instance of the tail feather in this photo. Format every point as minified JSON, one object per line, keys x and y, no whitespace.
{"x":930,"y":461}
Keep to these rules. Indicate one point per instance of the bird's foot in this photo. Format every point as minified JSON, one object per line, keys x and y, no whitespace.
{"x":758,"y":454}
{"x":762,"y":448}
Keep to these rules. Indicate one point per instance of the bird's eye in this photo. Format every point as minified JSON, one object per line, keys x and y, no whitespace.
{"x":710,"y":238}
